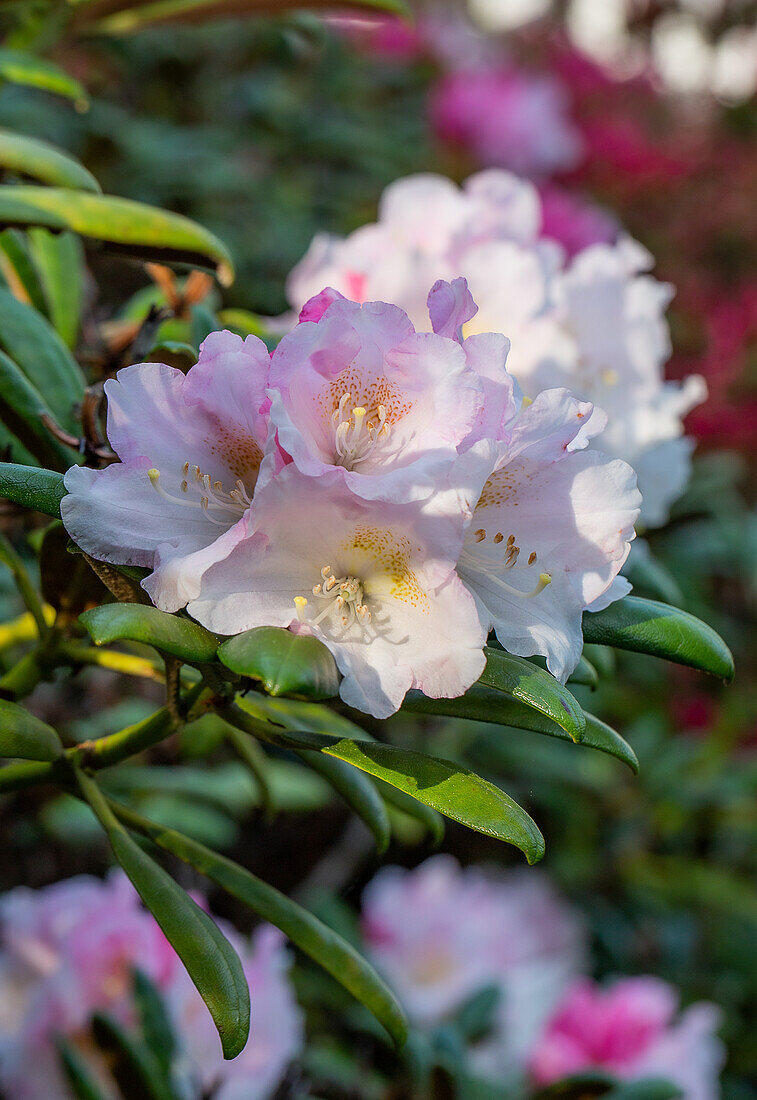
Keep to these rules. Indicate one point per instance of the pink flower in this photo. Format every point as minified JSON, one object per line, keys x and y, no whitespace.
{"x":507,"y":118}
{"x":440,"y":934}
{"x":373,"y":580}
{"x":191,"y":448}
{"x":361,"y":393}
{"x":573,"y":222}
{"x":630,"y":1029}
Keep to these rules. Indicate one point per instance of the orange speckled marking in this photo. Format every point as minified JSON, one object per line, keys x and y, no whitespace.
{"x":504,"y":486}
{"x":239,"y":451}
{"x":369,"y":392}
{"x":390,"y":554}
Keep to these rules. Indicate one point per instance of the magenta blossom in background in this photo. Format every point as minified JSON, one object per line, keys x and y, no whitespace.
{"x":632,"y":1030}
{"x":507,"y":118}
{"x":574,"y":222}
{"x":69,"y":950}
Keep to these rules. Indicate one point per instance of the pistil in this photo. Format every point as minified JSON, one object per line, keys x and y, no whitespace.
{"x":342,"y":598}
{"x":357,"y":436}
{"x":200,"y":491}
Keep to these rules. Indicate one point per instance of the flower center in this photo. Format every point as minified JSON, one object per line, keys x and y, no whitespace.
{"x":339,"y":600}
{"x":357,"y":433}
{"x":488,"y":561}
{"x":198,"y":490}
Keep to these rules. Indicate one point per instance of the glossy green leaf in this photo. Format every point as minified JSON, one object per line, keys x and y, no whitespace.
{"x":535,"y":687}
{"x":79,"y":1076}
{"x":18,"y":67}
{"x":22,"y":408}
{"x":127,"y":225}
{"x":42,"y":161}
{"x":39,"y":490}
{"x":209,"y":958}
{"x":35,"y":346}
{"x":24,"y":737}
{"x":358,"y":791}
{"x":132,"y":1063}
{"x":59,"y":259}
{"x":431,"y":821}
{"x":285,"y":663}
{"x":449,"y":788}
{"x":305,"y":931}
{"x":480,"y":704}
{"x":135,"y":622}
{"x":662,"y":631}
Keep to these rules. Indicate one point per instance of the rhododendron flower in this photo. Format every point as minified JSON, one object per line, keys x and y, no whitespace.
{"x":594,"y":324}
{"x":360,"y":392}
{"x":69,"y":950}
{"x":573,"y":221}
{"x":191,"y":448}
{"x":440,"y":934}
{"x":631,"y":1030}
{"x":373,"y":580}
{"x":508,"y":118}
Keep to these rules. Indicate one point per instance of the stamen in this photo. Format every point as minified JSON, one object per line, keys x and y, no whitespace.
{"x":211,"y":499}
{"x":357,"y":435}
{"x":342,"y":601}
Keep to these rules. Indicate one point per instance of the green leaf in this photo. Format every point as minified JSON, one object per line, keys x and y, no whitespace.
{"x":24,"y":737}
{"x":59,"y":259}
{"x":285,"y":663}
{"x":431,"y":821}
{"x":154,"y":1022}
{"x":358,"y":791}
{"x":127,"y":225}
{"x":39,"y":490}
{"x":305,"y":931}
{"x":79,"y":1076}
{"x":18,"y":270}
{"x":132,"y":1063}
{"x":28,"y":156}
{"x":135,"y":622}
{"x":584,"y":673}
{"x":21,"y":410}
{"x":209,"y":958}
{"x":480,"y":704}
{"x":662,"y":631}
{"x":449,"y":788}
{"x":535,"y":687}
{"x":21,"y":68}
{"x":651,"y":578}
{"x":40,"y":353}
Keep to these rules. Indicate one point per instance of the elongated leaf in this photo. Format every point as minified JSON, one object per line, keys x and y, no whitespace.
{"x":662,"y":631}
{"x":18,"y":270}
{"x":584,"y":673}
{"x":117,"y":17}
{"x":18,"y":67}
{"x":534,"y":687}
{"x":36,"y":347}
{"x":154,"y":1022}
{"x":24,"y":737}
{"x":79,"y":1076}
{"x":22,"y":408}
{"x":182,"y":638}
{"x":449,"y":788}
{"x":305,"y":931}
{"x":209,"y":958}
{"x":481,"y":704}
{"x":40,"y":490}
{"x":127,"y":225}
{"x":285,"y":663}
{"x":59,"y":259}
{"x":133,"y":1066}
{"x":31,"y":157}
{"x":431,"y":821}
{"x":358,"y":791}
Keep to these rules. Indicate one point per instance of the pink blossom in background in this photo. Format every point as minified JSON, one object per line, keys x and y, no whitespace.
{"x":632,"y":1029}
{"x":507,"y":118}
{"x":389,"y":37}
{"x":574,"y":222}
{"x":440,"y":934}
{"x":68,"y":950}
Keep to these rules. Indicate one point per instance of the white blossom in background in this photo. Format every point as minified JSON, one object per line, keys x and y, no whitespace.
{"x":440,"y":934}
{"x":594,"y":324}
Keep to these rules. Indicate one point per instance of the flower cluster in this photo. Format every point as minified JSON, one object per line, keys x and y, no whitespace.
{"x":69,"y":950}
{"x":441,"y":934}
{"x":594,"y":323}
{"x":384,"y":489}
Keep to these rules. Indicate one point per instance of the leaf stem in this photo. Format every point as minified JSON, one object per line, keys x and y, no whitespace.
{"x":27,"y":591}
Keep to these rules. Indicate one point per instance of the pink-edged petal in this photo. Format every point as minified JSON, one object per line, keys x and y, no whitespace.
{"x":554,"y":423}
{"x":450,"y":306}
{"x":316,"y":306}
